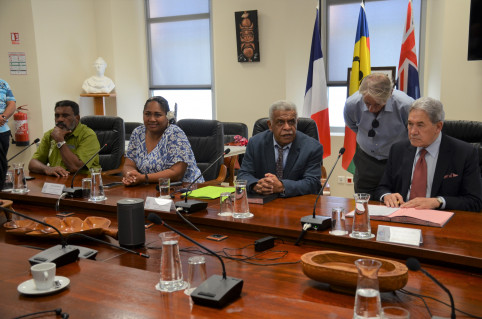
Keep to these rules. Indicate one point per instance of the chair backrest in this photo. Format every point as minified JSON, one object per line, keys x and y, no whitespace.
{"x":231,"y":129}
{"x":207,"y":143}
{"x":109,"y":130}
{"x":468,"y":131}
{"x":129,"y":127}
{"x":305,"y":125}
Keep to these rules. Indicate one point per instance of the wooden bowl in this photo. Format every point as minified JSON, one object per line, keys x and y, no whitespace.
{"x":339,"y":270}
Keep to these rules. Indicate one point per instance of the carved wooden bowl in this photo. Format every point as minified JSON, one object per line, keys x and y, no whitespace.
{"x":339,"y":270}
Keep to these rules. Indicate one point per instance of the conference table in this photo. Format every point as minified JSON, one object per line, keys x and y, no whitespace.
{"x":119,"y":284}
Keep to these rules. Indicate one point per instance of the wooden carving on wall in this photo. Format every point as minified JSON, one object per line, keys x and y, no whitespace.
{"x":247,"y":35}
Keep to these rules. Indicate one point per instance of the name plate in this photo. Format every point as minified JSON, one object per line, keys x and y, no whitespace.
{"x":53,"y":189}
{"x":163,"y":205}
{"x":400,"y":235}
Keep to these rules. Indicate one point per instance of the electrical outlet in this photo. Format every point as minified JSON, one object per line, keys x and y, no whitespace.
{"x":349,"y":180}
{"x":341,"y":179}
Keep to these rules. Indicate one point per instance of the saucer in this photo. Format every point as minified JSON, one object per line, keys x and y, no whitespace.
{"x":371,"y":236}
{"x":28,"y":287}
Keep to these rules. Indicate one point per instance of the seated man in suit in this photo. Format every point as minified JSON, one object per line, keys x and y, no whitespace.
{"x":67,"y":146}
{"x":282,"y":160}
{"x":432,"y":170}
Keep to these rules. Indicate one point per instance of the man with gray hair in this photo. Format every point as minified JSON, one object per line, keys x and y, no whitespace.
{"x":378,"y":115}
{"x":282,"y":160}
{"x":432,"y":170}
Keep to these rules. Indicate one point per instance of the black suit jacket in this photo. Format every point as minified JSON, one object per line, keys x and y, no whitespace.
{"x":302,"y":172}
{"x":456,"y":178}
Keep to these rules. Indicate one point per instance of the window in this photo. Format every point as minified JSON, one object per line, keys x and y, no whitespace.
{"x":179,"y":50}
{"x":386,"y":20}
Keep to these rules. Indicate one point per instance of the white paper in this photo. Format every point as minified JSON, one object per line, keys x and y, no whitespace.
{"x":52,"y":188}
{"x":160,"y":204}
{"x":399,"y":235}
{"x":377,"y":210}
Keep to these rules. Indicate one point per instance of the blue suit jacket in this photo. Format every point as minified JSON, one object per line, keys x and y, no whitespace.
{"x":456,"y":178}
{"x":302,"y":171}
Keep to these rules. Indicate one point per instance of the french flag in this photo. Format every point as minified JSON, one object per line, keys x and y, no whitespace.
{"x":316,"y":102}
{"x":407,"y":68}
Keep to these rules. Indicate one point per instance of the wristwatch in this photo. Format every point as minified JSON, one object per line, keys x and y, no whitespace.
{"x":60,"y":144}
{"x":440,"y":201}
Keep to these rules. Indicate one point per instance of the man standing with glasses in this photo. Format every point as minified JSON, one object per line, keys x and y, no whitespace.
{"x":378,"y":115}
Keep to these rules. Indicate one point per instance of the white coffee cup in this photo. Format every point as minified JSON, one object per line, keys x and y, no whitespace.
{"x":43,"y":275}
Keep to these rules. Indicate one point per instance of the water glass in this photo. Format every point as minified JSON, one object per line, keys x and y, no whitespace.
{"x":361,"y":220}
{"x":164,"y":184}
{"x":196,"y":273}
{"x":19,"y":181}
{"x":395,"y":313}
{"x":171,"y":268}
{"x":97,"y":188}
{"x":226,"y":204}
{"x":367,"y":298}
{"x":241,"y":206}
{"x":8,"y":184}
{"x":338,"y":222}
{"x":86,"y":187}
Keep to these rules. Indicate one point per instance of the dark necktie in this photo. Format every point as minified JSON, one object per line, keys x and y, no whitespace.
{"x":419,"y":179}
{"x":279,"y":163}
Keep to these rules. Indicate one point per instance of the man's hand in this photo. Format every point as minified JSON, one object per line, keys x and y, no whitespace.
{"x":58,"y":134}
{"x":422,"y":203}
{"x":270,"y":184}
{"x":393,"y":200}
{"x":132,"y":178}
{"x":56,"y":171}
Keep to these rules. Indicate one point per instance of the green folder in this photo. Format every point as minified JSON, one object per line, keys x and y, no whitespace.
{"x":210,"y":192}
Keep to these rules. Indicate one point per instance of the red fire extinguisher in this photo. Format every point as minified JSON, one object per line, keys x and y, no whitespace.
{"x":21,"y":127}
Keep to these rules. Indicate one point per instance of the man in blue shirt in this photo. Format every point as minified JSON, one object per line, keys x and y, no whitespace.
{"x":7,"y":108}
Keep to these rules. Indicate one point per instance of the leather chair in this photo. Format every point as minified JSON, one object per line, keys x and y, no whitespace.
{"x":207,"y":143}
{"x":231,"y":129}
{"x":109,"y":130}
{"x":468,"y":131}
{"x":129,"y":127}
{"x":305,"y":125}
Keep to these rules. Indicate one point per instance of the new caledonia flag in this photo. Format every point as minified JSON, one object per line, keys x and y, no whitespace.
{"x":316,"y":101}
{"x":407,"y":67}
{"x":359,"y":69}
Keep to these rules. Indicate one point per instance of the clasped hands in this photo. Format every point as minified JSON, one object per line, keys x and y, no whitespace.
{"x":132,"y":178}
{"x":270,"y":184}
{"x":396,"y":200}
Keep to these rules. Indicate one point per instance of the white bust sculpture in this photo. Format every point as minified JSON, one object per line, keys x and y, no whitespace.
{"x":98,"y":83}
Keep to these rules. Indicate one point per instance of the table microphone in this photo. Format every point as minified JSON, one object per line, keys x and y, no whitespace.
{"x":321,"y":222}
{"x":413,"y":264}
{"x":76,"y":192}
{"x":191,"y":206}
{"x":217,"y":291}
{"x":34,"y":142}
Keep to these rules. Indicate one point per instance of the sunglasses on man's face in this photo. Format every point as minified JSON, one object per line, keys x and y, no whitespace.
{"x":375,"y":124}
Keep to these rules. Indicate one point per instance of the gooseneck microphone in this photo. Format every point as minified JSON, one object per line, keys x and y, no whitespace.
{"x":217,"y":291}
{"x":76,"y":192}
{"x":414,"y":264}
{"x":191,"y":206}
{"x":34,"y":142}
{"x":313,"y":221}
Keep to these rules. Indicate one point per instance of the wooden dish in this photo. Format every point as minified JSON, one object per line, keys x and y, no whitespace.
{"x":339,"y":270}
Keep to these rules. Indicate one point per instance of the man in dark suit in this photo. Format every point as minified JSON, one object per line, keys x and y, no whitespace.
{"x":282,"y":160}
{"x":452,"y":172}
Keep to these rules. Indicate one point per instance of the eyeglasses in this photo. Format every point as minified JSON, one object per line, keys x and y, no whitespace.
{"x":375,"y":124}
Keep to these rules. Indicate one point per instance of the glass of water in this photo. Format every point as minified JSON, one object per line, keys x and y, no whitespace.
{"x":97,"y":190}
{"x":171,"y":268}
{"x":241,"y":206}
{"x":8,"y":184}
{"x":164,"y":184}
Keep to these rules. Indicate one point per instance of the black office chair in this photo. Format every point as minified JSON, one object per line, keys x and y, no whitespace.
{"x":468,"y":131}
{"x":305,"y":125}
{"x":129,"y":127}
{"x":109,"y":130}
{"x":231,"y":129}
{"x":207,"y":143}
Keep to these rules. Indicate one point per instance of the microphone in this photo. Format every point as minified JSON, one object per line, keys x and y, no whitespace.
{"x":191,"y":206}
{"x":34,"y":142}
{"x":217,"y":291}
{"x":76,"y":192}
{"x":414,"y":265}
{"x":320,"y":222}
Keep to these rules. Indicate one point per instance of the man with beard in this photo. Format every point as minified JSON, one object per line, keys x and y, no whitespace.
{"x":65,"y":148}
{"x":282,"y":160}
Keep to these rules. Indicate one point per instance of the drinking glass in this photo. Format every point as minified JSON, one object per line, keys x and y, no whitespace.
{"x":171,"y":268}
{"x":226,"y":201}
{"x":19,"y":181}
{"x":97,"y":190}
{"x":361,"y":220}
{"x":196,"y":273}
{"x":8,"y":184}
{"x":164,"y":184}
{"x":338,"y":222}
{"x":86,"y":187}
{"x":241,"y":206}
{"x":367,"y":298}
